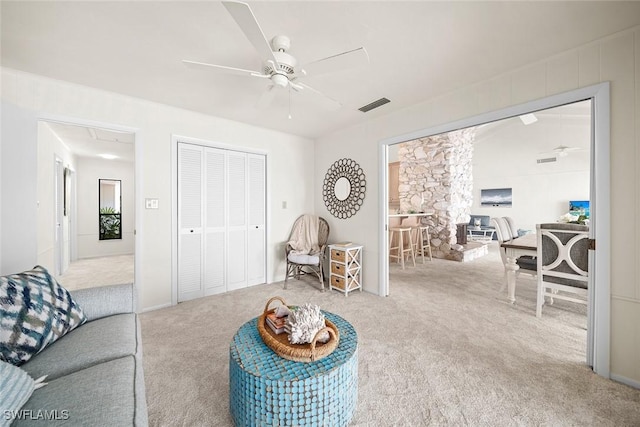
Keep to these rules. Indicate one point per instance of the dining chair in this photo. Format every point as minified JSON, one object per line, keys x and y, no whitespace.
{"x":528,"y":265}
{"x":563,"y":263}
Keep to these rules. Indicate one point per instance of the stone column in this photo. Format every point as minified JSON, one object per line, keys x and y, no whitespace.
{"x":436,"y":175}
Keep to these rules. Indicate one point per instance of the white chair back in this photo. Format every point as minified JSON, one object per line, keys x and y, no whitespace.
{"x":563,"y":262}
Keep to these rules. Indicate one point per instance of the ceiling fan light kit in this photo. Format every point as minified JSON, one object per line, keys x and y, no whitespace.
{"x":278,"y":65}
{"x":280,"y":80}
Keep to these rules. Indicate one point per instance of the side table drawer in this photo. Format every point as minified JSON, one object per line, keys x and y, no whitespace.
{"x":339,"y":269}
{"x":340,"y":282}
{"x":337,"y":255}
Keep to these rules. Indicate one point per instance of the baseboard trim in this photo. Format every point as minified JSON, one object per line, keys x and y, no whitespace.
{"x":625,"y":380}
{"x":156,"y":307}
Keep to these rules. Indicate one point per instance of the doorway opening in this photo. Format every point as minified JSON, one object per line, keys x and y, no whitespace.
{"x":69,"y":241}
{"x":599,"y":313}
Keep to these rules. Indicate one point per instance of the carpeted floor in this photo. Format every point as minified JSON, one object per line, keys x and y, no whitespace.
{"x":445,"y":348}
{"x":100,"y":271}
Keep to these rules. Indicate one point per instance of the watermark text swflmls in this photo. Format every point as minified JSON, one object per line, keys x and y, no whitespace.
{"x":29,"y":414}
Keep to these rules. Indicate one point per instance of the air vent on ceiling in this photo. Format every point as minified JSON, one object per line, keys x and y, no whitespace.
{"x":374,"y":104}
{"x":547,"y":160}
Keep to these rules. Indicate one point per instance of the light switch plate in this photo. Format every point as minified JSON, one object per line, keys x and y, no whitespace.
{"x":151,"y":203}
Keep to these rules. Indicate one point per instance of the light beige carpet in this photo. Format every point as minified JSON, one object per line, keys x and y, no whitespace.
{"x":443,"y":349}
{"x":100,"y":271}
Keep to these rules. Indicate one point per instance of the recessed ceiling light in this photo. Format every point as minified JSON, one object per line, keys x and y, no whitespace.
{"x":108,"y":156}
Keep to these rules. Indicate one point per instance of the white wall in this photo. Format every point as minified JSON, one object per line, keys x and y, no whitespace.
{"x":615,"y":59}
{"x":26,"y":98}
{"x":19,"y":215}
{"x":90,"y":170}
{"x":505,"y":157}
{"x":50,"y":147}
{"x":393,"y":153}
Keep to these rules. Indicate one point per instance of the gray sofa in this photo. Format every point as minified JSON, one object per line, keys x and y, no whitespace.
{"x":94,"y":373}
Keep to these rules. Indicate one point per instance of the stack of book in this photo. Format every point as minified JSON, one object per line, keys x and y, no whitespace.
{"x":277,"y":324}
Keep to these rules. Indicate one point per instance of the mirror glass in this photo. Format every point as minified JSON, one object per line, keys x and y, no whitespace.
{"x":342,"y":188}
{"x":110,"y":209}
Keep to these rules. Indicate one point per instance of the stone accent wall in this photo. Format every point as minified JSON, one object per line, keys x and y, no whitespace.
{"x":436,"y":175}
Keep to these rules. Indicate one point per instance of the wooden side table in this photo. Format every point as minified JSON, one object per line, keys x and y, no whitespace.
{"x":346,"y":268}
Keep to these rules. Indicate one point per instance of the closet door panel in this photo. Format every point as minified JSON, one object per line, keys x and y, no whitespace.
{"x":189,"y":222}
{"x":256,"y":250}
{"x":190,"y":267}
{"x":215,"y":221}
{"x":214,"y":277}
{"x":237,"y":220}
{"x":236,"y":259}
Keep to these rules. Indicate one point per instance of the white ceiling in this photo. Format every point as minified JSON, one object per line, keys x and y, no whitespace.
{"x":417,"y":49}
{"x":92,"y":142}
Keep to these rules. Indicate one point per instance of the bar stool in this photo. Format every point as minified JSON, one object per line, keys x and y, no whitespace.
{"x":422,"y":234}
{"x":401,"y":250}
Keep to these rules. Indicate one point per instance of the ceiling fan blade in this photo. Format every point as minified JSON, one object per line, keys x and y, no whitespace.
{"x":223,"y":69}
{"x":342,"y":61}
{"x":267,"y":97}
{"x":330,"y":103}
{"x":565,"y":148}
{"x":244,"y":17}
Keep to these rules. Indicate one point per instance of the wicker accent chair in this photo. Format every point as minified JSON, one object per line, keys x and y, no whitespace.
{"x":563,"y":263}
{"x":298,"y":265}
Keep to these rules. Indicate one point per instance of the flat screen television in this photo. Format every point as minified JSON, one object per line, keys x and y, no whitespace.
{"x":579,"y":207}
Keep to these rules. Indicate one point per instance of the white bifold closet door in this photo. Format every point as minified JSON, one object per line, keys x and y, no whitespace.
{"x":257,"y":202}
{"x":221,"y":220}
{"x":189,"y":222}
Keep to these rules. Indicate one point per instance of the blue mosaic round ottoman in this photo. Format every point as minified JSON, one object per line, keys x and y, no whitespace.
{"x":267,"y":390}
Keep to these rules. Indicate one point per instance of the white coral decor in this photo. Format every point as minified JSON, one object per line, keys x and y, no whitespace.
{"x":304,"y":323}
{"x":568,"y":217}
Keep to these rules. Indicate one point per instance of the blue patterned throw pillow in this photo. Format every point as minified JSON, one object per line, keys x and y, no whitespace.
{"x":34,"y":312}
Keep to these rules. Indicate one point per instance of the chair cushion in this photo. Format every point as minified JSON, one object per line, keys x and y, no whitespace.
{"x":527,"y":262}
{"x":304,"y":259}
{"x":35,"y":311}
{"x":562,"y":281}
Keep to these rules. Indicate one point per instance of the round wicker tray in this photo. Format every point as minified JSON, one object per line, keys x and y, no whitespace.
{"x":279,"y":343}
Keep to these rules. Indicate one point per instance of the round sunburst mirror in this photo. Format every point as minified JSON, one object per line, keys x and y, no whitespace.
{"x":344,"y":188}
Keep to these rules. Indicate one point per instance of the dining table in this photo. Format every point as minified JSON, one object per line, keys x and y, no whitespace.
{"x":514,"y":248}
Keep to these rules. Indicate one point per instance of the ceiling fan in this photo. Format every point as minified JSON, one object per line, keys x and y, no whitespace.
{"x":279,"y":66}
